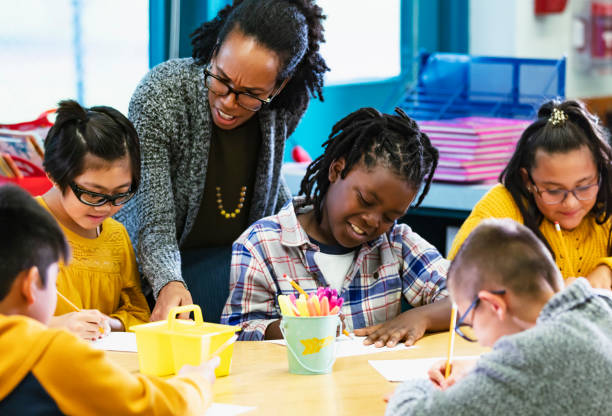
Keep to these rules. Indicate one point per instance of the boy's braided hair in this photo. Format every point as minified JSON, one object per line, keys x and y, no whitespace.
{"x":393,"y":141}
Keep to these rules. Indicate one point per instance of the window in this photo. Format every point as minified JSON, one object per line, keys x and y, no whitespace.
{"x":95,"y":51}
{"x":362,"y":40}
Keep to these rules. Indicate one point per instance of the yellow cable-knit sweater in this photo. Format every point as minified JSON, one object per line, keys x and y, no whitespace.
{"x":102,"y":275}
{"x":586,"y":244}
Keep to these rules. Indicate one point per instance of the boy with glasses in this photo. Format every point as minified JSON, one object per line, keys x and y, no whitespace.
{"x":551,"y":346}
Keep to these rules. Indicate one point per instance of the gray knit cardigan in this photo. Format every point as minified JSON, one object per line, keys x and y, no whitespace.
{"x":561,"y":366}
{"x":171,"y":114}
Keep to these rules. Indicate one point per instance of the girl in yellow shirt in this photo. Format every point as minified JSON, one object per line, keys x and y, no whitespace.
{"x":92,"y":156}
{"x":560,"y":173}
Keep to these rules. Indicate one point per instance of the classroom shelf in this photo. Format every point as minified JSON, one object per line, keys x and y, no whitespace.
{"x":451,"y":85}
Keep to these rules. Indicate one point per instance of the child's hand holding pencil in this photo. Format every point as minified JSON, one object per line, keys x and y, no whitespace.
{"x":458,"y":369}
{"x":88,"y":324}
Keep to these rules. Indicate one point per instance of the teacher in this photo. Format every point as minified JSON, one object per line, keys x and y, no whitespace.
{"x":213,"y":130}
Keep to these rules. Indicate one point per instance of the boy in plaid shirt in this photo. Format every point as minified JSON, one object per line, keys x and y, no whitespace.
{"x":344,"y":234}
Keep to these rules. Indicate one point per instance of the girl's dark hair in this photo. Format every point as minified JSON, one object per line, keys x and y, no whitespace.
{"x":366,"y":134}
{"x":291,"y":28}
{"x":102,"y":131}
{"x":580,"y":128}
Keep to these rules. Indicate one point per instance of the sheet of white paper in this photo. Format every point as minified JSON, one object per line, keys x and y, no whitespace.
{"x":223,"y":409}
{"x":402,"y":370}
{"x":347,"y":347}
{"x":116,"y":341}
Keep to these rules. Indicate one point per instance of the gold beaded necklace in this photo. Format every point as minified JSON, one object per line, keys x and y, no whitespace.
{"x":222,"y":210}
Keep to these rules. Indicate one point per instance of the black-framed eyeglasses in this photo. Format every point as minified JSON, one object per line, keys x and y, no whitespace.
{"x":557,"y":196}
{"x":96,"y":199}
{"x":245,"y":100}
{"x":465,"y":330}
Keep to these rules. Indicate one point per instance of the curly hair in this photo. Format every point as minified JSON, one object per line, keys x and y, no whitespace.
{"x":393,"y":141}
{"x":293,"y":29}
{"x":580,"y":128}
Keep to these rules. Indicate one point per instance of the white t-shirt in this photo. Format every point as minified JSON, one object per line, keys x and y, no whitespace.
{"x":334,"y":267}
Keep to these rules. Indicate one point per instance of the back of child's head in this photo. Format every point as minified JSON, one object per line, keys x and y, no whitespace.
{"x":502,"y":252}
{"x":376,"y":139}
{"x":561,"y":127}
{"x":30,"y":237}
{"x":101,"y":131}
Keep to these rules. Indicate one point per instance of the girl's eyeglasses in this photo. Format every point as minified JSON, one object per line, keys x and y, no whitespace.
{"x":96,"y":199}
{"x":465,"y":330}
{"x":557,"y":196}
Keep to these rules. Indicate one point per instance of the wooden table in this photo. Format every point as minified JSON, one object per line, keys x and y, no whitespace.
{"x":260,"y":377}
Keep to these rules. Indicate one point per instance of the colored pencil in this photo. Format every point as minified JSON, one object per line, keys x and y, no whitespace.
{"x":570,"y":269}
{"x":223,"y":346}
{"x":451,"y":341}
{"x":296,"y":286}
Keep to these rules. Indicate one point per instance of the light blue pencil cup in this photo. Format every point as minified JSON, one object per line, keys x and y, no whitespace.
{"x":311,"y":342}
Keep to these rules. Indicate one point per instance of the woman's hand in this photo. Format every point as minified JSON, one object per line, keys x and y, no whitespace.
{"x":601,"y":277}
{"x":458,"y":370}
{"x":171,"y":295}
{"x":88,"y":324}
{"x":407,"y":327}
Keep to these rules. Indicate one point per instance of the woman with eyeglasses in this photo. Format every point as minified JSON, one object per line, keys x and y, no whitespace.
{"x":92,"y":156}
{"x":213,"y":131}
{"x":559,"y":174}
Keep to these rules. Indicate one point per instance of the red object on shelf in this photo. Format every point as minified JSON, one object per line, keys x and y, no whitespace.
{"x":34,"y":179}
{"x":300,"y":155}
{"x":601,"y":30}
{"x":41,"y":121}
{"x":35,"y":185}
{"x":549,"y":6}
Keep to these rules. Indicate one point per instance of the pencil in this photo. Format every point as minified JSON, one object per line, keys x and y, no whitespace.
{"x":76,"y":308}
{"x":296,"y":286}
{"x":36,"y":146}
{"x":72,"y":305}
{"x":224,"y":346}
{"x":570,"y":269}
{"x":451,"y":341}
{"x":11,"y":163}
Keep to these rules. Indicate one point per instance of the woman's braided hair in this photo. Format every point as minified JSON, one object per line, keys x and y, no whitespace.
{"x":393,"y":141}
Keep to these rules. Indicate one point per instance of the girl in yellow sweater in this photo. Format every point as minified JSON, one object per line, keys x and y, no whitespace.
{"x":560,"y":173}
{"x":92,"y":156}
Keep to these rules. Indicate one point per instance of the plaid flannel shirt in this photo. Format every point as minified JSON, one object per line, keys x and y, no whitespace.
{"x":398,"y":262}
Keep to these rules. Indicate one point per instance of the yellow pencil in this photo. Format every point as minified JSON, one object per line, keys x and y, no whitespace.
{"x":76,"y":308}
{"x":296,"y":286}
{"x":223,"y":346}
{"x":570,"y":269}
{"x":72,"y":305}
{"x":451,"y":341}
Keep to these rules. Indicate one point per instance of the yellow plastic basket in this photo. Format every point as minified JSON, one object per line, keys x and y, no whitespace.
{"x":166,"y":346}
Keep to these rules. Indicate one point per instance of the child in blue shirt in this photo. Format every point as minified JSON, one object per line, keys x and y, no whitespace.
{"x":344,"y":234}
